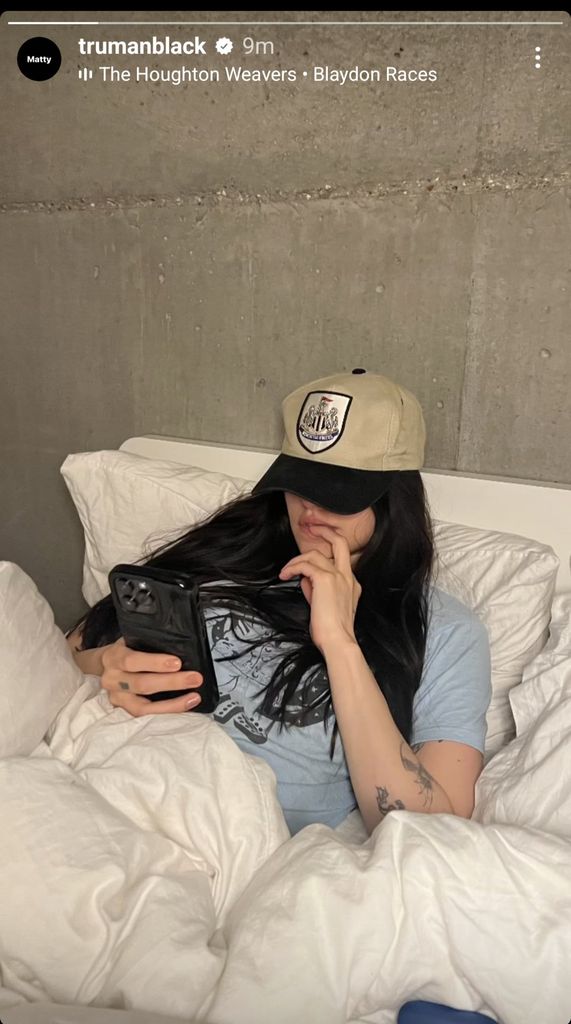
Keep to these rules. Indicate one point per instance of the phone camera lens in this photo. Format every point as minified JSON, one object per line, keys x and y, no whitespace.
{"x":144,"y":599}
{"x":136,"y":596}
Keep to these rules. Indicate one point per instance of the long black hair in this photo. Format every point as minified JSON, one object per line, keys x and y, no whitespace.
{"x":248,"y":541}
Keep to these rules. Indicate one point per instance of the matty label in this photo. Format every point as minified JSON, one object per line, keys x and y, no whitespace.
{"x":322,"y":420}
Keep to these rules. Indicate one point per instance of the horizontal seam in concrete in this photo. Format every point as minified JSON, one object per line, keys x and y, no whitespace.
{"x":468,"y":185}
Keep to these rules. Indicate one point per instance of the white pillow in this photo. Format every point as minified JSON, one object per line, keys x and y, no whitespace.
{"x":509,"y":581}
{"x":37,"y":672}
{"x":128,"y":504}
{"x":546,"y":679}
{"x":529,"y":782}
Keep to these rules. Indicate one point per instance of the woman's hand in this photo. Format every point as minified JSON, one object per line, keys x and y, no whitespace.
{"x":329,"y":587}
{"x":127,"y":674}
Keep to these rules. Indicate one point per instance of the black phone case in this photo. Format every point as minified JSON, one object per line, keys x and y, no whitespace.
{"x":159,"y":611}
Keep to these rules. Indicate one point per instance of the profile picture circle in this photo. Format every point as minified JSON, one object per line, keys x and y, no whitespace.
{"x":39,"y":58}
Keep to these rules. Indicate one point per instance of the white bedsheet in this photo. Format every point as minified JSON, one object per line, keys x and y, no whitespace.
{"x":146,"y":865}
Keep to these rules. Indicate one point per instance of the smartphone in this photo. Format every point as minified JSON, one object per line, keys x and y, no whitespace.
{"x":159,"y":611}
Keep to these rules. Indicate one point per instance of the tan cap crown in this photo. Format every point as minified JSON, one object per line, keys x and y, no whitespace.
{"x":347,"y":440}
{"x":358,"y":420}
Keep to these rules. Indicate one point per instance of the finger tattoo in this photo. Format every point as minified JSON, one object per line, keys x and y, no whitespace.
{"x":123,"y":685}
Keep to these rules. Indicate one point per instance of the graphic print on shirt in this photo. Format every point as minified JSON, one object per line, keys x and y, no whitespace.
{"x":245,"y":677}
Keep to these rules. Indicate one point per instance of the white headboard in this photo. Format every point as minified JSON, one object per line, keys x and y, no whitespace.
{"x":529,"y":508}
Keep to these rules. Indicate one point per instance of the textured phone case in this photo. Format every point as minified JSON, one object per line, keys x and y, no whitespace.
{"x":159,"y":611}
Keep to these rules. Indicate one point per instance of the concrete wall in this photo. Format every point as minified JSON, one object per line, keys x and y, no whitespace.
{"x":176,"y":259}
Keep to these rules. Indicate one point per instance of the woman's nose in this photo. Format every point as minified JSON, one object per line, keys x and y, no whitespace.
{"x":310,"y":505}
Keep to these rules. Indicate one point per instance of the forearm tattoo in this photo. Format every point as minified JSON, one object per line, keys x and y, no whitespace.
{"x":383,"y":802}
{"x":423,"y":779}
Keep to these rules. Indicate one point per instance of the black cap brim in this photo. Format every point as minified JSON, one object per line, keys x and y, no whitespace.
{"x":336,"y":488}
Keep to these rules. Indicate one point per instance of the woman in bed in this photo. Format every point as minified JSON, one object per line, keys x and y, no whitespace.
{"x":358,"y":680}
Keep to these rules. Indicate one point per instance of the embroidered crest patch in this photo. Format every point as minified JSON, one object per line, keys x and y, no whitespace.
{"x":322,"y":420}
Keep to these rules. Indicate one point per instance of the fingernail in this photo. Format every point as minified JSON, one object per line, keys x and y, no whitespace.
{"x":192,"y":701}
{"x":172,"y":662}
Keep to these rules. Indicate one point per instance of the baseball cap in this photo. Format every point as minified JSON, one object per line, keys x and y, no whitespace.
{"x":346,"y":438}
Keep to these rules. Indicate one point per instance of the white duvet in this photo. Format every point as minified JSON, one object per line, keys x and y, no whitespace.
{"x":145,"y":864}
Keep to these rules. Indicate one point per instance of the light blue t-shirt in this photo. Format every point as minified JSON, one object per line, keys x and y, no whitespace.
{"x":450,"y":704}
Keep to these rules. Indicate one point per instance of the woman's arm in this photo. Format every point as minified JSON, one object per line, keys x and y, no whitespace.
{"x":386,"y":773}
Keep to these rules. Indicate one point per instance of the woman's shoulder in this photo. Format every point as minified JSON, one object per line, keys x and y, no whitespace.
{"x":453,"y":697}
{"x":447,"y":613}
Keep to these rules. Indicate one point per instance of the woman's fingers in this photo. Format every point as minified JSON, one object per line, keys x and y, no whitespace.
{"x":149,"y":682}
{"x":316,"y":558}
{"x":332,"y":580}
{"x":340,"y":547}
{"x":341,"y":559}
{"x":138,"y":706}
{"x":306,"y":589}
{"x":132,"y":672}
{"x":307,"y":566}
{"x":123,"y":657}
{"x":129,"y":675}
